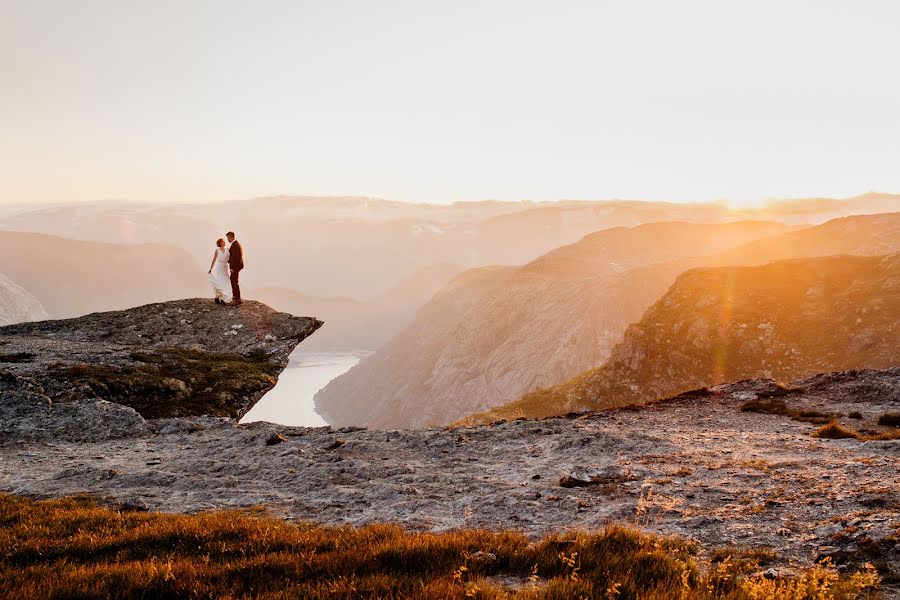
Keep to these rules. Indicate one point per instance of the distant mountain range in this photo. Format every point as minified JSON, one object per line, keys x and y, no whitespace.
{"x":561,"y":315}
{"x":71,"y":278}
{"x":361,"y":248}
{"x":361,"y":325}
{"x":784,"y":320}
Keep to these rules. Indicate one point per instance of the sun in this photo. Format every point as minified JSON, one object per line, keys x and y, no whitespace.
{"x":745,"y":203}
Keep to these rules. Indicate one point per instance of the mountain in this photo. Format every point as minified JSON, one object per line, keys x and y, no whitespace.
{"x":414,"y":350}
{"x":563,"y":313}
{"x":784,"y":320}
{"x":361,"y":248}
{"x":548,"y":321}
{"x":71,"y":277}
{"x":17,"y":305}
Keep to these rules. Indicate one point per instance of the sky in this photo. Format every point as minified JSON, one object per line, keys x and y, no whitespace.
{"x":440,"y":101}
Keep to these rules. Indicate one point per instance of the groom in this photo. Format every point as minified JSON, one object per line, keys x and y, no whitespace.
{"x":236,"y":262}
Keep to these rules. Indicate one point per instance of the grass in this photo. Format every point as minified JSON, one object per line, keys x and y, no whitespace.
{"x":776,"y":406}
{"x":175,"y":382}
{"x":891,"y":419}
{"x":74,"y":548}
{"x":836,"y":431}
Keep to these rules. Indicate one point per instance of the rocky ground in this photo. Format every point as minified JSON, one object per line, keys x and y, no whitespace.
{"x":695,"y":465}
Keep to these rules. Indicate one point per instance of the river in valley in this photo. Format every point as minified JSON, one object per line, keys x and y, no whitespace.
{"x":290,"y":402}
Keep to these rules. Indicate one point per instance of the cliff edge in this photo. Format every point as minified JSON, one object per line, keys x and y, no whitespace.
{"x":171,"y":359}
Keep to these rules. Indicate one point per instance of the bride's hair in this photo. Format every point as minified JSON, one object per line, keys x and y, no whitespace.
{"x":220,"y":242}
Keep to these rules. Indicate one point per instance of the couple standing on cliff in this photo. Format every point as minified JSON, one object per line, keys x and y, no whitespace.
{"x":224,"y":271}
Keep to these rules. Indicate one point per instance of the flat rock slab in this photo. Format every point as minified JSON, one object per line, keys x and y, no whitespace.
{"x":695,"y":466}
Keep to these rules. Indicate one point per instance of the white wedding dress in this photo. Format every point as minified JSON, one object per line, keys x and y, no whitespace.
{"x":219,"y":279}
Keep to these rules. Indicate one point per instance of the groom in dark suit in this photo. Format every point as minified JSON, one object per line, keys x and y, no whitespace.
{"x":236,"y":262}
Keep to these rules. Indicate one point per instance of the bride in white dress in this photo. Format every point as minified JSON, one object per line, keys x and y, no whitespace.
{"x":219,"y":275}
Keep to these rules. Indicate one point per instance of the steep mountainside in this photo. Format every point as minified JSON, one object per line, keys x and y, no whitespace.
{"x":414,"y":350}
{"x":562,"y":314}
{"x":71,"y":277}
{"x":550,"y":320}
{"x":784,"y":320}
{"x":17,"y":305}
{"x":179,"y":358}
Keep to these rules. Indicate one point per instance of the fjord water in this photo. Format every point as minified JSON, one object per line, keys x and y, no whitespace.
{"x":290,"y":402}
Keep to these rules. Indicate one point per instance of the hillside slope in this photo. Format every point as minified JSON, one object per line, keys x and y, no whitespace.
{"x":784,"y":320}
{"x":563,"y":313}
{"x":414,"y":350}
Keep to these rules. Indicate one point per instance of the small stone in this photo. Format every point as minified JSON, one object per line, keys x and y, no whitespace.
{"x":337,"y":443}
{"x":482,"y":558}
{"x":824,"y":553}
{"x":135,"y":503}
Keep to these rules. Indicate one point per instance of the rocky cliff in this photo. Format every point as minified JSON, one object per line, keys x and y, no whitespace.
{"x":180,"y":358}
{"x":17,"y":305}
{"x":562,"y":314}
{"x":784,"y":320}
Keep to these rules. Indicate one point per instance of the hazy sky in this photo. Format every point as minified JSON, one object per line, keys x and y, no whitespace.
{"x":448,"y":100}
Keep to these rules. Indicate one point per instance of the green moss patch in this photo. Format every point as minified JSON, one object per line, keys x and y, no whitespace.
{"x":173,"y":382}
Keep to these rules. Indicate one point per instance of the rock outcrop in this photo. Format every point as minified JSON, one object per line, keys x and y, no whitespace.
{"x":102,"y":374}
{"x":562,"y":314}
{"x":17,"y":305}
{"x":785,"y":320}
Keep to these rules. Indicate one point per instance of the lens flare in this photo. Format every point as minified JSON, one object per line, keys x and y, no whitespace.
{"x":726,"y":309}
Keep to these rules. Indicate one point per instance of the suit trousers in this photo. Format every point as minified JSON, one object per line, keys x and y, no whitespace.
{"x":235,"y":286}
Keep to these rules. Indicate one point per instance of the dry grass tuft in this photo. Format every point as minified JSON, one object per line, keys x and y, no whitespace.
{"x":835,"y":431}
{"x":74,"y":548}
{"x":890,"y":419}
{"x":776,"y":406}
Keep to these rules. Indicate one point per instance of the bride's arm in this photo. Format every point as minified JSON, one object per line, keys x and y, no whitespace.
{"x":212,"y":265}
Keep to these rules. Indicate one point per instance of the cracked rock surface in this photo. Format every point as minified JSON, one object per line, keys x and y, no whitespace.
{"x":695,"y":465}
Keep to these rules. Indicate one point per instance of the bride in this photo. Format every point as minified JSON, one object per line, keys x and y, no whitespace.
{"x":219,"y":275}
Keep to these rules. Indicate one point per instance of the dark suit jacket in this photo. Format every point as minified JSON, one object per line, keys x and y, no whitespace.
{"x":236,"y":256}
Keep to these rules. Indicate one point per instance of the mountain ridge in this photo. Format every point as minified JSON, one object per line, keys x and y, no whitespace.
{"x":785,"y":320}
